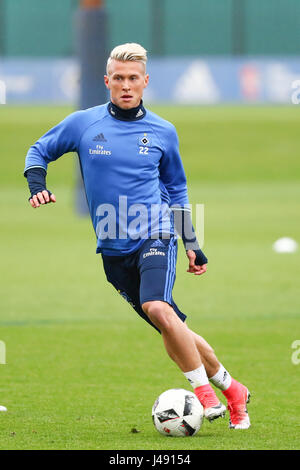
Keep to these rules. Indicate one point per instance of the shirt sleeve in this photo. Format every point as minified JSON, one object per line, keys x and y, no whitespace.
{"x":59,"y":140}
{"x":171,"y":170}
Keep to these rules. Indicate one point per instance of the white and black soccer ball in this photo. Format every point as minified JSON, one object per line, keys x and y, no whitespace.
{"x":177,"y":412}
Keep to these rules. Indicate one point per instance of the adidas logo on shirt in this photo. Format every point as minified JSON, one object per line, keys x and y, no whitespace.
{"x":139,"y":113}
{"x":100,"y":138}
{"x":157,"y":243}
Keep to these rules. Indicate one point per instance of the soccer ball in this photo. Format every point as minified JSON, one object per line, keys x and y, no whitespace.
{"x":177,"y":412}
{"x":285,"y":245}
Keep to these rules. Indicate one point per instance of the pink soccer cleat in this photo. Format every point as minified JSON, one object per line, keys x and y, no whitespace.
{"x":212,"y":406}
{"x":238,"y":396}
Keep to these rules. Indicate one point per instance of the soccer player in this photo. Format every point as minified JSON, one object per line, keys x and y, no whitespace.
{"x":137,"y":196}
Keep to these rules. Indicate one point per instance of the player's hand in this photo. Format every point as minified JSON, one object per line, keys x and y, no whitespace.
{"x":194,"y":268}
{"x":42,"y":198}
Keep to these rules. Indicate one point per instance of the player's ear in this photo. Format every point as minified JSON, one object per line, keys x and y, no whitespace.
{"x":146,"y":80}
{"x":106,"y":81}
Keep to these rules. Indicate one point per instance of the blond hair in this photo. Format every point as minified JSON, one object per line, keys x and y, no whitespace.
{"x":129,"y":51}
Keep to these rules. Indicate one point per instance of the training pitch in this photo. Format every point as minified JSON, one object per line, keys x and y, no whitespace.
{"x":82,"y":369}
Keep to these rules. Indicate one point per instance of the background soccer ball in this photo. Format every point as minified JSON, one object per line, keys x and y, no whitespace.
{"x":177,"y":412}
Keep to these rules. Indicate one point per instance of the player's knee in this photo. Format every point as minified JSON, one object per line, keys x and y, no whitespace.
{"x":159,"y":313}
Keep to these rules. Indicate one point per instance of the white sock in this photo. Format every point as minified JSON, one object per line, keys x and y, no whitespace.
{"x":222,"y":379}
{"x":197,"y":377}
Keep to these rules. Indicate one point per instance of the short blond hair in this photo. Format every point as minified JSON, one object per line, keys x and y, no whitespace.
{"x":129,"y":51}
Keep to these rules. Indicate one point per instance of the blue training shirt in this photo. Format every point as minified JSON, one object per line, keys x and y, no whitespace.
{"x":132,"y":173}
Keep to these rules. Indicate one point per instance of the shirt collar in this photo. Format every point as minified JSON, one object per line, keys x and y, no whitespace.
{"x":133,"y":114}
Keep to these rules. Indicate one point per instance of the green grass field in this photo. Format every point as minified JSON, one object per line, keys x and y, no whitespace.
{"x":82,"y":369}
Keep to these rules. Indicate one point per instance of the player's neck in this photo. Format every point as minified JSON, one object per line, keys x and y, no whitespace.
{"x":132,"y":114}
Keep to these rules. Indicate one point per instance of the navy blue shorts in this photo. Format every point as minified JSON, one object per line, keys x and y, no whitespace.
{"x":147,"y":274}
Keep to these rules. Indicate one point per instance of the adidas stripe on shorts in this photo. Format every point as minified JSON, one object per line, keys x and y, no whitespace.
{"x":147,"y":274}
